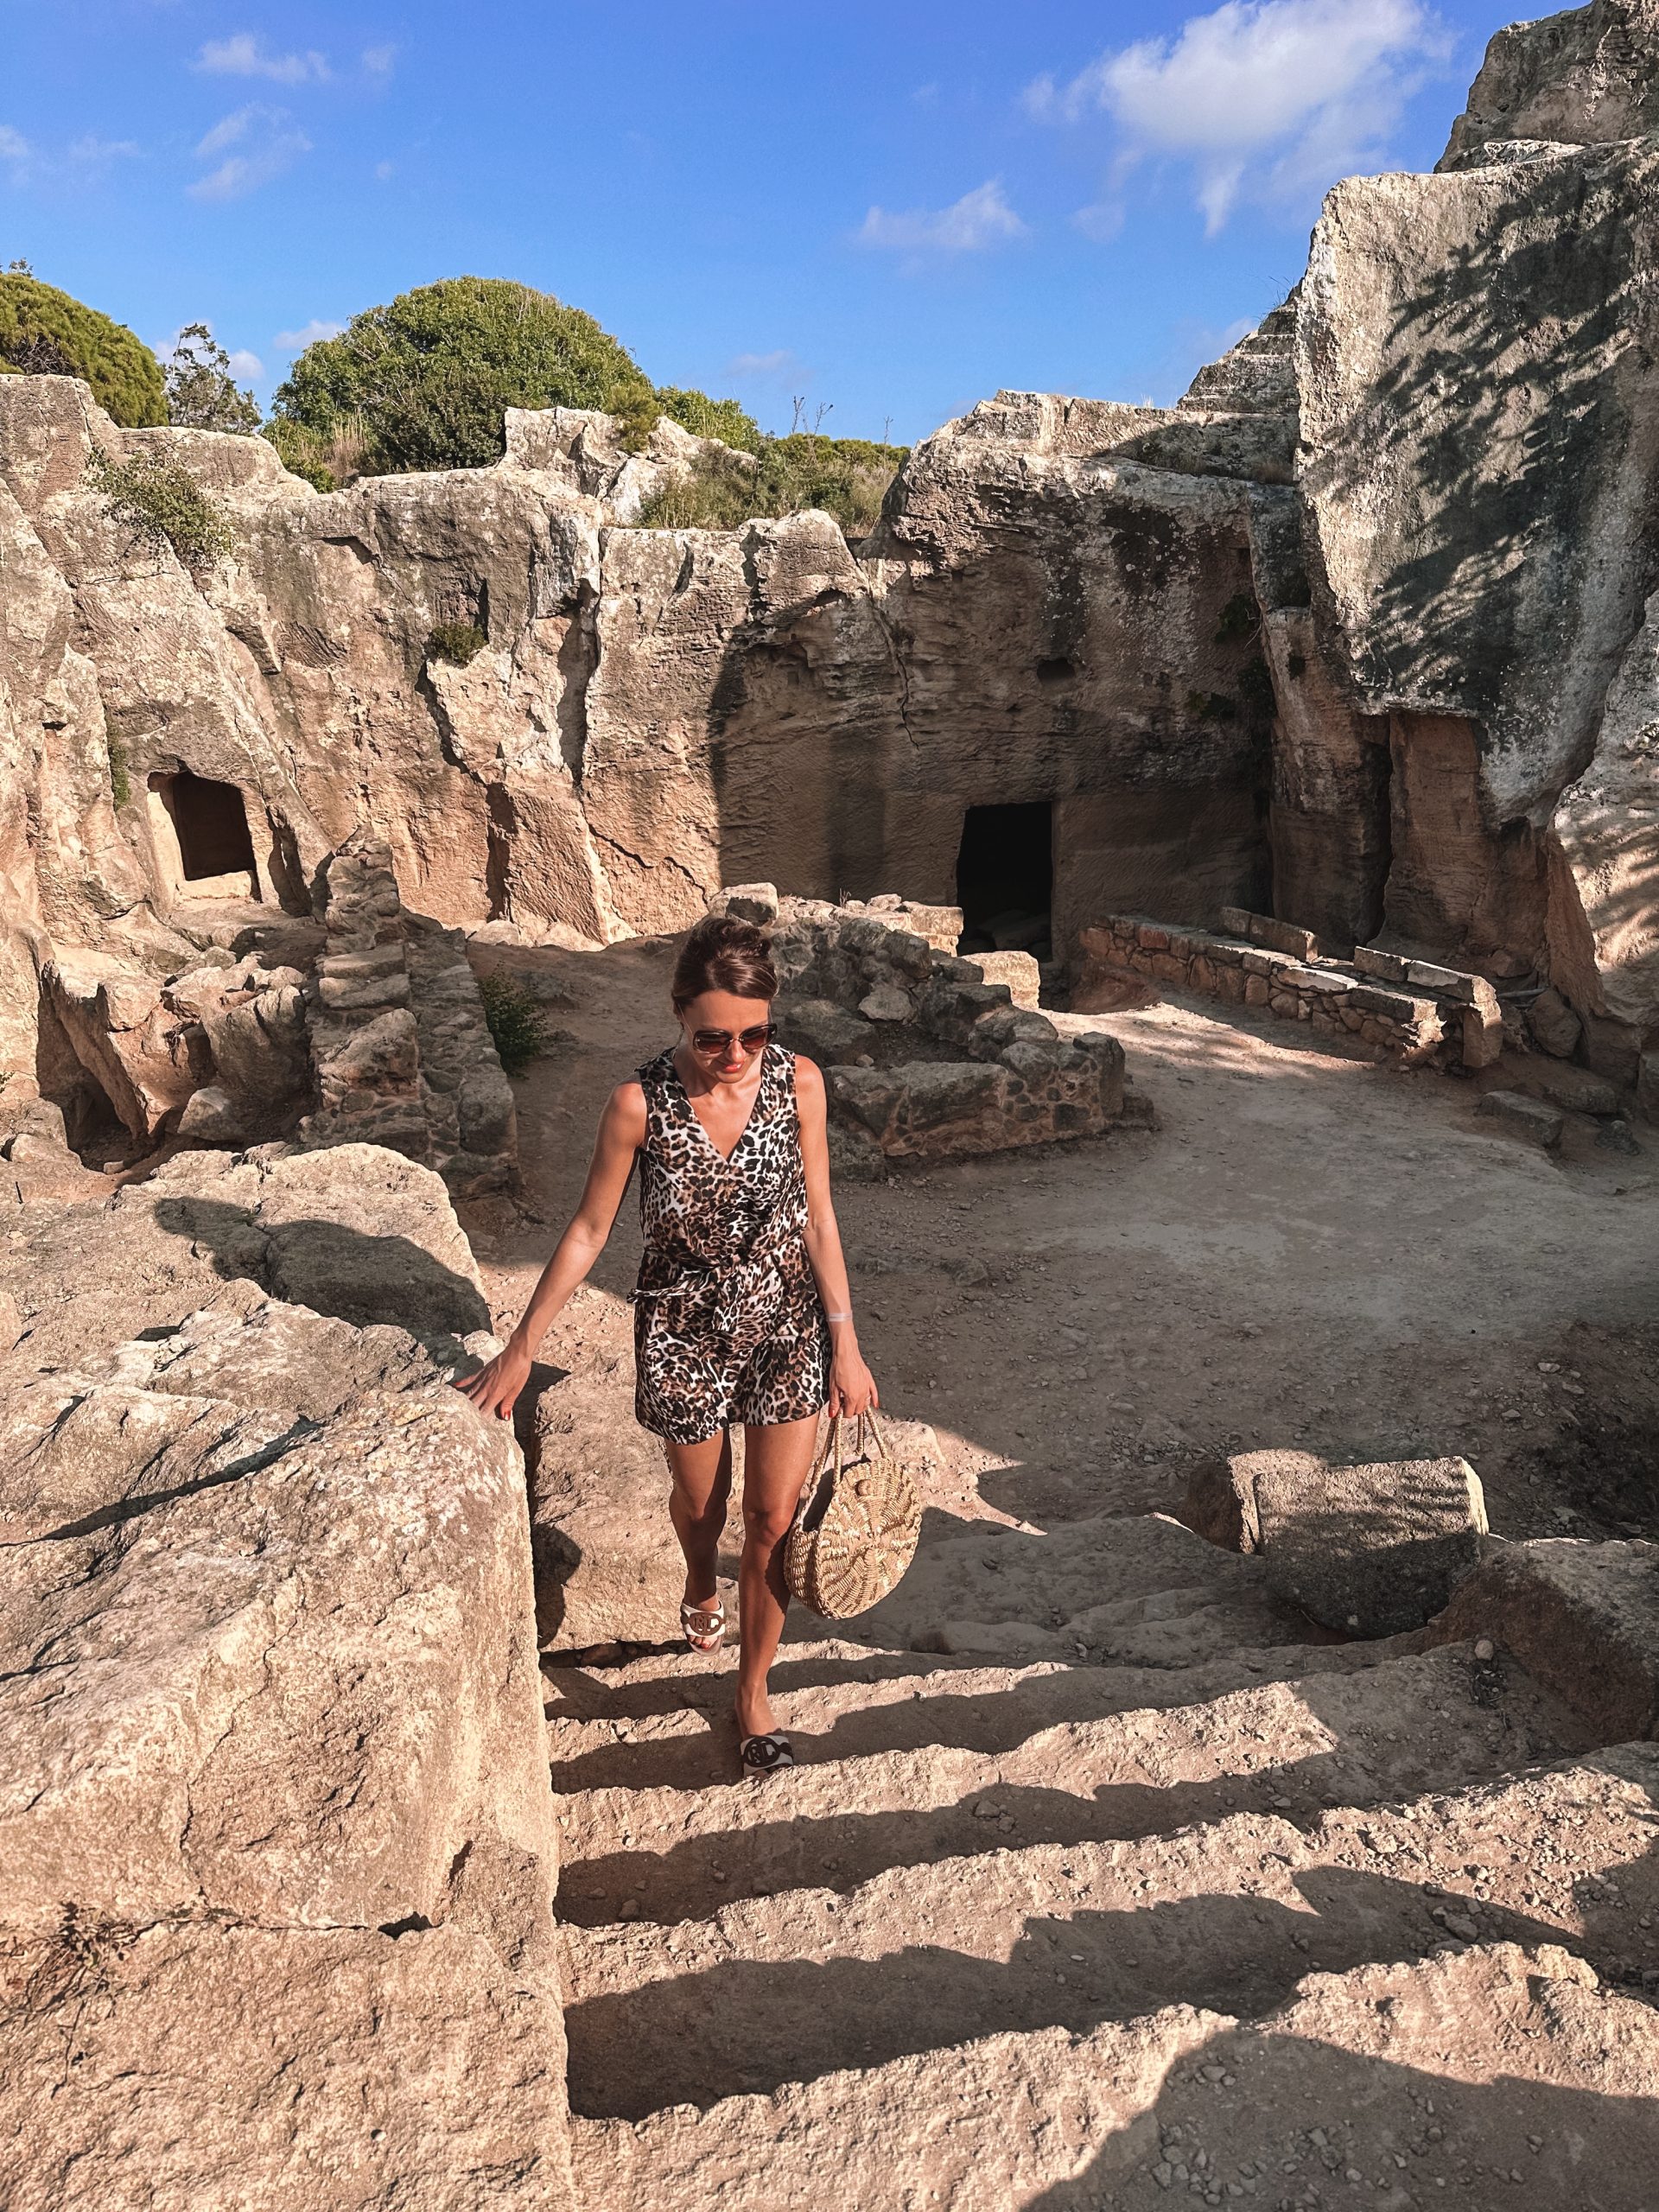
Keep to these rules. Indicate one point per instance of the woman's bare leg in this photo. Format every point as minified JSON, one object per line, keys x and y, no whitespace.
{"x":776,"y":1462}
{"x":703,"y":1489}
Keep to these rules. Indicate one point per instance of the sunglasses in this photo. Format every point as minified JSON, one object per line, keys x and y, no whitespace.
{"x":748,"y":1041}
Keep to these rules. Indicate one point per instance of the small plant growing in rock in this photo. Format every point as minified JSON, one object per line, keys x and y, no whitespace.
{"x":1211,"y":706}
{"x":459,"y":642}
{"x":1256,"y":686}
{"x":517,"y":1025}
{"x":847,"y":477}
{"x":120,"y":781}
{"x":1241,"y":620}
{"x":161,"y":504}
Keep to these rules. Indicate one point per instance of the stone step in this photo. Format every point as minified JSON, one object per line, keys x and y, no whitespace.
{"x":664,"y":1721}
{"x":1227,"y":1915}
{"x":1297,"y":1747}
{"x":1134,"y":1590}
{"x":1433,"y":2082}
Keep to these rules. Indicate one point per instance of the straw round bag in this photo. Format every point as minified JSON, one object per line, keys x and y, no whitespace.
{"x":856,"y":1530}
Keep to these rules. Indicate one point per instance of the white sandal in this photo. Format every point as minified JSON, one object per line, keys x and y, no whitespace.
{"x":703,"y":1626}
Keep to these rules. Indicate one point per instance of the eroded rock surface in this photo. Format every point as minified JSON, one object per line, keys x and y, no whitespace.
{"x":274,"y":1794}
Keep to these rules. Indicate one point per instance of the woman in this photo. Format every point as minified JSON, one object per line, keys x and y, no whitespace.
{"x":741,"y":1312}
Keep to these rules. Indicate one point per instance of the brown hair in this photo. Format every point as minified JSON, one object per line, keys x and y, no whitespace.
{"x":723,"y":953}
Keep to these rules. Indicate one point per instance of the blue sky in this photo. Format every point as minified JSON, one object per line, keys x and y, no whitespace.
{"x":891,"y":211}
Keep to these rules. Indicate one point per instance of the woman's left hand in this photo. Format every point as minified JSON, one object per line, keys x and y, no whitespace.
{"x":852,"y":1386}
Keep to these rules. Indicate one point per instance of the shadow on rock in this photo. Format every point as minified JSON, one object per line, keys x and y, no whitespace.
{"x":345,"y":1272}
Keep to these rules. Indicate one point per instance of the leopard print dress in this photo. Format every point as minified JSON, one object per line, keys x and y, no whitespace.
{"x":728,"y":1322}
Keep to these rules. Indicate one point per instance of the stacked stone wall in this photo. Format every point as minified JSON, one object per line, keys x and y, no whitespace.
{"x":403,"y":1051}
{"x":1385,"y":1004}
{"x":922,"y":1058}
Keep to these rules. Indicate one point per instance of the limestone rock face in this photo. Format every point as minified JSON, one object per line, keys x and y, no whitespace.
{"x":1355,"y":634}
{"x":1583,"y":77}
{"x":1474,"y":468}
{"x":276,"y":1793}
{"x":1054,"y":576}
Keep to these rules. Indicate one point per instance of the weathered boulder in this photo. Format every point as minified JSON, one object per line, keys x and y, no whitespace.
{"x":274,"y":1789}
{"x":350,"y":2069}
{"x":1529,"y":1119}
{"x":147,"y":1057}
{"x":1582,"y":77}
{"x":824,"y":1032}
{"x":1370,"y":1550}
{"x":1581,"y":1618}
{"x":354,"y":1231}
{"x":748,"y":902}
{"x":1553,"y":1026}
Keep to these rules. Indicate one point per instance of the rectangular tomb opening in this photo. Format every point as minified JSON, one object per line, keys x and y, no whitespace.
{"x":200,"y":829}
{"x":1005,"y":878}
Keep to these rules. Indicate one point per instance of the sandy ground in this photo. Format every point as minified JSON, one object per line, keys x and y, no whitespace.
{"x":1308,"y":1249}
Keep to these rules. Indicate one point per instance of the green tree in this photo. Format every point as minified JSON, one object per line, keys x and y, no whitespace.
{"x":202,"y":391}
{"x":434,"y":372}
{"x":44,"y":331}
{"x":431,"y":375}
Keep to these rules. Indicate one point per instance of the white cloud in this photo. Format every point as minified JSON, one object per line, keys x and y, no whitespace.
{"x":93,"y":152}
{"x":981,"y":218}
{"x":1102,"y":221}
{"x":377,"y":60}
{"x":244,"y":56}
{"x":781,"y":366}
{"x":1270,"y":98}
{"x":266,"y":143}
{"x":83,"y":162}
{"x":384,"y":169}
{"x":296,"y":342}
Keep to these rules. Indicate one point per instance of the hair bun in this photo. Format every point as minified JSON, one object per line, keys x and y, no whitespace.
{"x":724,"y":954}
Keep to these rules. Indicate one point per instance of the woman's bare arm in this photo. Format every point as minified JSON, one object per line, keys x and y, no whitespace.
{"x":621,"y":1133}
{"x":851,"y":1387}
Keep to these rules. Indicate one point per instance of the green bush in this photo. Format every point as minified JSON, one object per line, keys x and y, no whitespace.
{"x":301,"y":452}
{"x":202,"y":393}
{"x":40,"y":325}
{"x":1241,"y":617}
{"x":709,"y":418}
{"x":847,"y":477}
{"x":161,"y":504}
{"x":517,"y":1025}
{"x":456,"y":641}
{"x":433,"y":372}
{"x":1256,"y":686}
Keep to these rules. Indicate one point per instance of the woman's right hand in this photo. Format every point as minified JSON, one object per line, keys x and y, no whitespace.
{"x":497,"y":1382}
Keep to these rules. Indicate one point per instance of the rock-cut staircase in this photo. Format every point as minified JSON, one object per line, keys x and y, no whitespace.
{"x":1107,"y":1903}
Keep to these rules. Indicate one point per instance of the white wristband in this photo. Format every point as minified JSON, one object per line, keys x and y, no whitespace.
{"x":837,"y":1316}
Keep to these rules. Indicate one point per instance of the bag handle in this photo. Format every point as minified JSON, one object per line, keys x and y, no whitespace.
{"x":833,"y":1442}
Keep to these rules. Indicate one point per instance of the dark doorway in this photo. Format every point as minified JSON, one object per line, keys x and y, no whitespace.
{"x":1005,"y":878}
{"x":210,"y":824}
